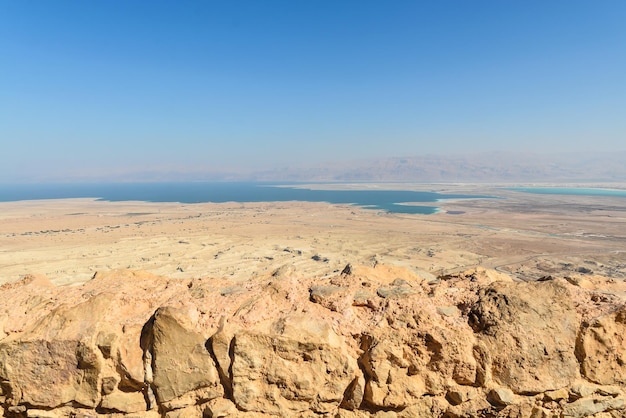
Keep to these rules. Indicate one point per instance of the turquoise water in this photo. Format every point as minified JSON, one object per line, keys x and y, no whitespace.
{"x":386,"y":200}
{"x":580,"y":191}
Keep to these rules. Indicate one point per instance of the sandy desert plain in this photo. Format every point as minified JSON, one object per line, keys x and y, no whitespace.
{"x":528,"y":236}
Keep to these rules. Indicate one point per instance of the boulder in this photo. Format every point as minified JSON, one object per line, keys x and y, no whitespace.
{"x":181,"y":362}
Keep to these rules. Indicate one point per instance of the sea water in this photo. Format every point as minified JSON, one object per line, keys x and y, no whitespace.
{"x":394,"y":201}
{"x":580,"y":191}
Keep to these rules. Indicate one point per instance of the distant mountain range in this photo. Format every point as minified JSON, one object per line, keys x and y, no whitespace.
{"x":486,"y":167}
{"x":480,"y":167}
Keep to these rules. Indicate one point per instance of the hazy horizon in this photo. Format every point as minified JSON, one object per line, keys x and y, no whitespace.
{"x":110,"y":90}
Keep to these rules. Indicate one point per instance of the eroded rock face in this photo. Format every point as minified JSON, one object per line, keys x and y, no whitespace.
{"x":48,"y":374}
{"x":281,"y":375}
{"x":475,"y":344}
{"x":416,"y":355}
{"x":602,"y":348}
{"x":527,"y":334}
{"x":55,"y":361}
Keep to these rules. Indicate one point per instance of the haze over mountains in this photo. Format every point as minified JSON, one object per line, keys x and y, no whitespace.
{"x":479,"y":167}
{"x":485,"y":167}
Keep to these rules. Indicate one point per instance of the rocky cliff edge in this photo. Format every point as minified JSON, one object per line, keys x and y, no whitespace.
{"x":368,"y":341}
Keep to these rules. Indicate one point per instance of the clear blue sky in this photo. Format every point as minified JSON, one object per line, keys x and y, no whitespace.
{"x":113,"y":86}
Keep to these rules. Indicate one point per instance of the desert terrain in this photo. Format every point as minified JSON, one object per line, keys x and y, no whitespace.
{"x":528,"y":236}
{"x":510,"y":307}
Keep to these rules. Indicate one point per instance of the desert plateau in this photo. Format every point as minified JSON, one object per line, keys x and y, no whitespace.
{"x":512,"y":306}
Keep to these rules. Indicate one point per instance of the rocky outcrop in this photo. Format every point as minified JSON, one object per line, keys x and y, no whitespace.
{"x":369,"y":341}
{"x":48,"y":374}
{"x":416,"y":355}
{"x":526,"y":336}
{"x":602,"y":349}
{"x":284,"y":376}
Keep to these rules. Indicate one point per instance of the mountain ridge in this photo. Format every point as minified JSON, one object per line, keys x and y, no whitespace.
{"x":486,"y":167}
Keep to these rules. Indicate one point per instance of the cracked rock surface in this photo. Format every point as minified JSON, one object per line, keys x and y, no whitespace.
{"x":375,"y":341}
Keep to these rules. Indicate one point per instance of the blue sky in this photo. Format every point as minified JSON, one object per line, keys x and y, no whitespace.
{"x":97,"y":87}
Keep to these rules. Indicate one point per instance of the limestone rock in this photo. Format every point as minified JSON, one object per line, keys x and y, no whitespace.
{"x":109,"y":384}
{"x":393,"y":380}
{"x":43,"y":413}
{"x":541,"y":412}
{"x":181,"y":363}
{"x":384,"y":273}
{"x":220,"y":344}
{"x":26,"y":301}
{"x":426,"y":407}
{"x":460,"y":394}
{"x":147,"y":414}
{"x":582,"y":390}
{"x":451,"y":311}
{"x":473,"y":344}
{"x":342,"y":413}
{"x":304,"y":328}
{"x":193,"y":397}
{"x":319,"y":293}
{"x":475,"y":407}
{"x":48,"y":374}
{"x":529,"y":334}
{"x":419,"y":356}
{"x":363,"y":298}
{"x":602,"y":349}
{"x":501,"y":396}
{"x":396,"y":292}
{"x":557,"y":395}
{"x":129,"y":356}
{"x":125,"y":402}
{"x":334,"y":298}
{"x":580,"y":282}
{"x":188,"y":412}
{"x":282,"y":376}
{"x":585,"y":407}
{"x":219,"y":408}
